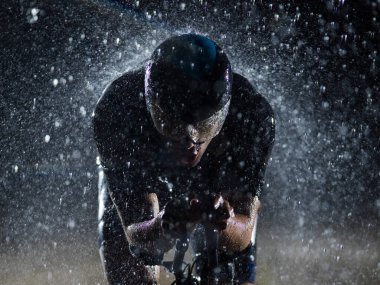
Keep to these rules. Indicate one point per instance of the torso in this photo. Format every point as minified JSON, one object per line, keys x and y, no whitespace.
{"x":234,"y":162}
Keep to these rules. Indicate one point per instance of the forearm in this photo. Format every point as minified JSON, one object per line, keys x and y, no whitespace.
{"x":145,"y":234}
{"x":238,"y":233}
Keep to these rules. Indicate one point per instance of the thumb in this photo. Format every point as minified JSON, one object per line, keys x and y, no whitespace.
{"x":228,"y":209}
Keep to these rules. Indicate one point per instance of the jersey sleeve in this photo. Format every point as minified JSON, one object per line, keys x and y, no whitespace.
{"x":118,"y":121}
{"x":253,"y":138}
{"x":114,"y":127}
{"x":262,"y":133}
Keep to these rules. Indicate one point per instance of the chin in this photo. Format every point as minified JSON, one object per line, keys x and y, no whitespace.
{"x":192,"y":163}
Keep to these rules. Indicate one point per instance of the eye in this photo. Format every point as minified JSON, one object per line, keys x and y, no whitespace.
{"x":197,"y":142}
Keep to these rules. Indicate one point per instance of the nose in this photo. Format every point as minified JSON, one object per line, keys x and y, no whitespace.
{"x":194,"y":148}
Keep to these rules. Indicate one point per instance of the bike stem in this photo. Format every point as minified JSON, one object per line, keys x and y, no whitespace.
{"x":212,"y":241}
{"x":182,"y":244}
{"x":181,"y":247}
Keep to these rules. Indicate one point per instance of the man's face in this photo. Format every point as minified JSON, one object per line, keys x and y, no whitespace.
{"x":188,"y":141}
{"x":190,"y":149}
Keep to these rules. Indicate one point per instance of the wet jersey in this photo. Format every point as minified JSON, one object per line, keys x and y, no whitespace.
{"x":137,"y":160}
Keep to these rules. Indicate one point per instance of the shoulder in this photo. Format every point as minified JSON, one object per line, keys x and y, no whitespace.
{"x":119,"y":116}
{"x":121,"y":100}
{"x":121,"y":93}
{"x":250,"y":112}
{"x":250,"y":122}
{"x":247,"y":102}
{"x":245,"y":142}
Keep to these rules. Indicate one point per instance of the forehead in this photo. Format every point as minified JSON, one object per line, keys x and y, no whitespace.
{"x":197,"y":131}
{"x":201,"y":132}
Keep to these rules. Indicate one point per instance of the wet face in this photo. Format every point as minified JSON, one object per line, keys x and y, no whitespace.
{"x":188,"y":141}
{"x":190,"y":149}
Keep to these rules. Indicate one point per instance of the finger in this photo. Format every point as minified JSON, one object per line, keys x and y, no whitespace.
{"x":226,"y":204}
{"x":218,"y":225}
{"x":218,"y":201}
{"x":228,"y":208}
{"x":222,"y":225}
{"x":232,"y":213}
{"x":222,"y":214}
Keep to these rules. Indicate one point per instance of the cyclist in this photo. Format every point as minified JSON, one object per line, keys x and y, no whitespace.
{"x":183,"y":125}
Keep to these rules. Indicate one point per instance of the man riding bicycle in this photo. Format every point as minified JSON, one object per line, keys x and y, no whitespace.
{"x":183,"y":143}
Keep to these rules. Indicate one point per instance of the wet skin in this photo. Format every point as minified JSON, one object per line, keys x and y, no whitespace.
{"x":188,"y":152}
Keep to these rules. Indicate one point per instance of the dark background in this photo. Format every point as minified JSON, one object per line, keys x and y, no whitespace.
{"x":317,"y":64}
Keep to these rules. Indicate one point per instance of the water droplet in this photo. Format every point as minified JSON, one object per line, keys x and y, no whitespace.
{"x":15,"y":168}
{"x":35,"y":11}
{"x":71,"y":223}
{"x":82,"y":111}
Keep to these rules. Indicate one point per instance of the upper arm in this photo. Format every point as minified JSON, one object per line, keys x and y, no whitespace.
{"x":133,"y":204}
{"x":117,"y":114}
{"x":262,"y":133}
{"x":113,"y":124}
{"x":254,"y":142}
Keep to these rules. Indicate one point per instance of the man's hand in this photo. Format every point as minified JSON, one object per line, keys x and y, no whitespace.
{"x":212,"y":211}
{"x":223,"y":212}
{"x":181,"y":215}
{"x":177,"y":220}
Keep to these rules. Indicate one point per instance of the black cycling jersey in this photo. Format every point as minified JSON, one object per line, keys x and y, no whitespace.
{"x":137,"y":158}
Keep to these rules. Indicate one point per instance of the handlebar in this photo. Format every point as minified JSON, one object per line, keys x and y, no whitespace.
{"x":211,"y":273}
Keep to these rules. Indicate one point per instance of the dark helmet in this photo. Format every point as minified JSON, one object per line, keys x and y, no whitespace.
{"x":188,"y":80}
